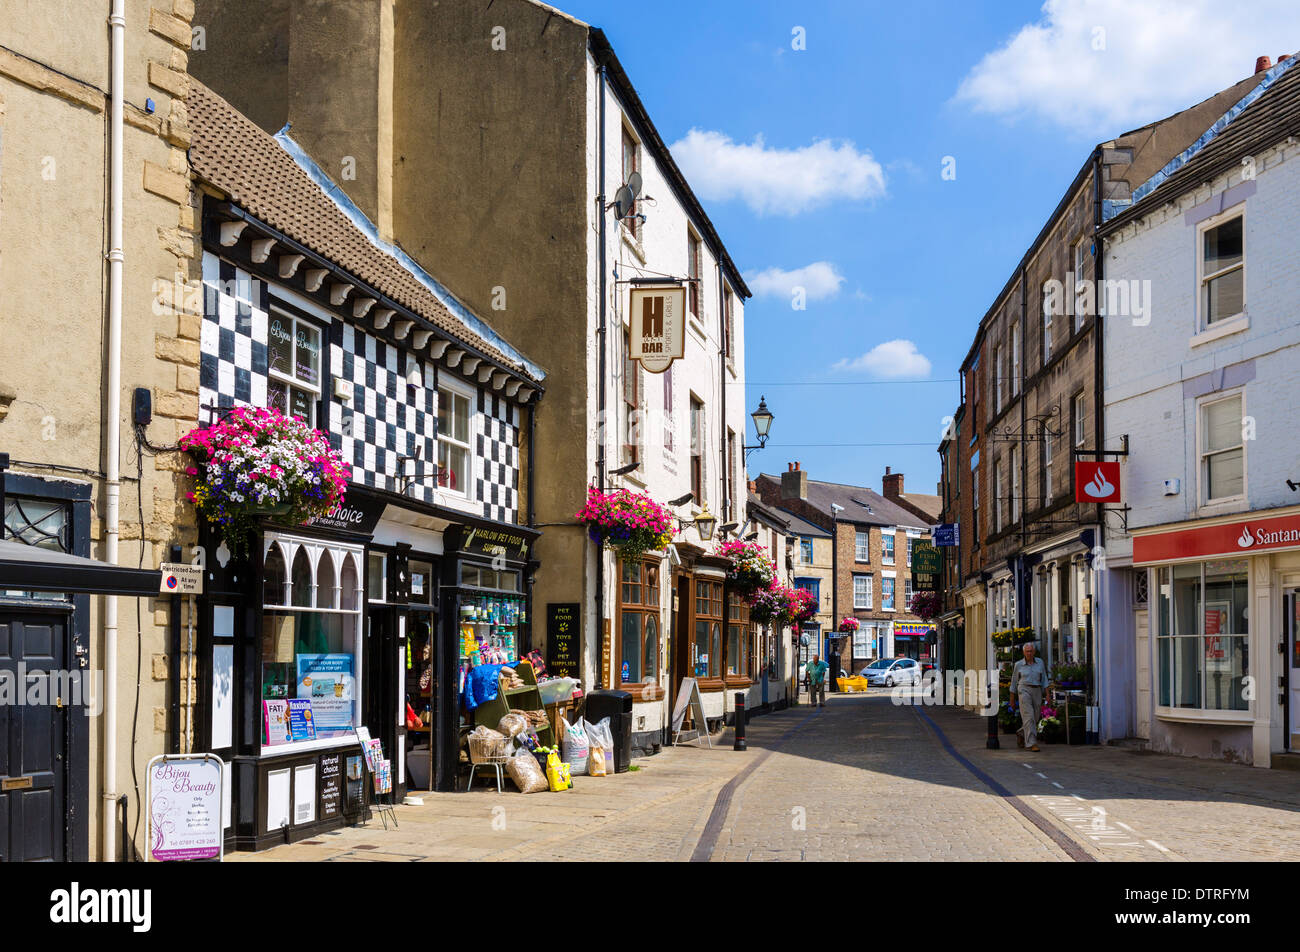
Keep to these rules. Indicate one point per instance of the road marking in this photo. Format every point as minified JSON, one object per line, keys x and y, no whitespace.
{"x":1092,"y":822}
{"x":1126,"y":826}
{"x":1158,"y":846}
{"x":1043,"y":775}
{"x":1057,"y":785}
{"x":1027,"y":767}
{"x":1079,"y":798}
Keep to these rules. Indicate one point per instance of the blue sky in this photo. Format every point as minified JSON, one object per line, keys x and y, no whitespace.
{"x":842,"y":146}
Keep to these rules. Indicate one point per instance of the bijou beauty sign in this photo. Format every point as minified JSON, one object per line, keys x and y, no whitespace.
{"x":185,"y":807}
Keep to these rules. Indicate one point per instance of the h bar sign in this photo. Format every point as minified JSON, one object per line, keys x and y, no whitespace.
{"x":1096,"y":481}
{"x":657,"y":322}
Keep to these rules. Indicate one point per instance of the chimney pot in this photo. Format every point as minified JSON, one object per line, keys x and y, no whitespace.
{"x":1263,"y":63}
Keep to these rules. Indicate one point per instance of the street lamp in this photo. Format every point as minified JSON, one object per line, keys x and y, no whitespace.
{"x":762,"y":420}
{"x":705,"y":523}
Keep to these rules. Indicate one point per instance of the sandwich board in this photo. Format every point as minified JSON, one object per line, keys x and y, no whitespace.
{"x":688,"y":696}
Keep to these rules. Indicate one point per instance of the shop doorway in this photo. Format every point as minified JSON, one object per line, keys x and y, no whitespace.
{"x":1291,"y":695}
{"x":681,"y":634}
{"x":33,"y":738}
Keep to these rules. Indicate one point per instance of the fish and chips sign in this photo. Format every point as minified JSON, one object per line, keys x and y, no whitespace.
{"x":658,"y":326}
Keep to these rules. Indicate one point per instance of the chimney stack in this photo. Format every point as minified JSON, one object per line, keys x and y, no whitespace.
{"x":892,"y":484}
{"x":794,"y":483}
{"x":1262,"y":64}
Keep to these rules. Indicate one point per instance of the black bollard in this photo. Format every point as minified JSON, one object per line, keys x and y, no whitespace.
{"x":992,"y":742}
{"x":740,"y":722}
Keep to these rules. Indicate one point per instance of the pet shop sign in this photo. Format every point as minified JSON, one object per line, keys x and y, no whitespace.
{"x":185,"y":807}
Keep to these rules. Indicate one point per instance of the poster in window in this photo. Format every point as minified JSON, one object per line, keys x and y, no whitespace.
{"x":279,"y":345}
{"x":300,"y":402}
{"x":657,"y":326}
{"x":307,"y":363}
{"x":302,"y":724}
{"x":275,"y":723}
{"x":327,"y":683}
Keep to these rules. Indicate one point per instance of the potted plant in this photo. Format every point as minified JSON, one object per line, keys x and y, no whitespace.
{"x":1008,"y":718}
{"x":751,"y":570}
{"x":256,"y":462}
{"x":631,"y":524}
{"x":849,"y":625}
{"x":1050,"y":728}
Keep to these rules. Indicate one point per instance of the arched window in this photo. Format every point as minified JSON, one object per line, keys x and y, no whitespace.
{"x":273,"y":576}
{"x":302,"y":579}
{"x":349,"y":583}
{"x":326,"y":583}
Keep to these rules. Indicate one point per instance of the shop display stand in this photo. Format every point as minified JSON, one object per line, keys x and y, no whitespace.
{"x":527,"y":698}
{"x":383,"y":802}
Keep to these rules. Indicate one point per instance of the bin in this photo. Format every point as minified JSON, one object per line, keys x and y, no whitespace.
{"x":617,"y":706}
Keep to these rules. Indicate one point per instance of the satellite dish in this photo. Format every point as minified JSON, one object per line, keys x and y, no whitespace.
{"x":634,"y":183}
{"x":624,"y":198}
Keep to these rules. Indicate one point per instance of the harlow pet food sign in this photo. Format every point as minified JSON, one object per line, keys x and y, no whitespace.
{"x":1242,"y":537}
{"x":657,"y":319}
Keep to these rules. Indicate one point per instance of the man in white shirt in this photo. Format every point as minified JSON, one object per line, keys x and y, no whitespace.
{"x":1028,"y":684}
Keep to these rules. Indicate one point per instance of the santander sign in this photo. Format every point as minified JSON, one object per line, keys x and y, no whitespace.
{"x":1096,"y":482}
{"x":1229,"y":538}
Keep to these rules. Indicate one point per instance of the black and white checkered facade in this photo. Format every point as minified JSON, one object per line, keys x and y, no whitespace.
{"x":496,"y":457}
{"x":388,"y":416}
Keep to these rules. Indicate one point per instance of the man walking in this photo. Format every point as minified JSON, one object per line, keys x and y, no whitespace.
{"x":1028,"y":683}
{"x":815,"y":672}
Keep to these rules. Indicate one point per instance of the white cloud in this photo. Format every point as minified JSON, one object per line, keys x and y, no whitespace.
{"x":1102,"y":67}
{"x":777,"y":181}
{"x":893,"y":359}
{"x":819,"y":280}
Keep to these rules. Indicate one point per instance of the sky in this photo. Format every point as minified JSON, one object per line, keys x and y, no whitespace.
{"x":894,"y":161}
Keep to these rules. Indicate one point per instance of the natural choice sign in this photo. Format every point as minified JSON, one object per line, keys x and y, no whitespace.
{"x":657,"y":321}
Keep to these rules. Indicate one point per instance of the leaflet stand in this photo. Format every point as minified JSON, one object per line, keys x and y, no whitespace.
{"x":689,"y":697}
{"x":383,"y":801}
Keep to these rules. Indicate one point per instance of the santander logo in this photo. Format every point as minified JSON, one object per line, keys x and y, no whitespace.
{"x":1098,"y":487}
{"x":1245,"y":540}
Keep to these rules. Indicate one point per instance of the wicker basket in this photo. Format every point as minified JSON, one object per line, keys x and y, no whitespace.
{"x":486,"y":746}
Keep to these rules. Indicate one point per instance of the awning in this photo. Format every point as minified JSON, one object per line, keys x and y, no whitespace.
{"x":32,"y":568}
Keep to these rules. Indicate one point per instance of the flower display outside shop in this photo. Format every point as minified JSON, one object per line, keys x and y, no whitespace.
{"x":849,"y":625}
{"x":631,"y":524}
{"x":1070,"y":676}
{"x":751,"y":570}
{"x":926,"y":605}
{"x":802,"y":606}
{"x":1010,"y":637}
{"x":769,"y":604}
{"x":257,"y":462}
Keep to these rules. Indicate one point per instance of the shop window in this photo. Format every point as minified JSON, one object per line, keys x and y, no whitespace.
{"x":422,"y":581}
{"x":293,"y":363}
{"x":311,"y":662}
{"x":639,"y":593}
{"x":454,"y":442}
{"x":377,"y":576}
{"x":739,"y":640}
{"x":1203,"y":640}
{"x":708,"y":628}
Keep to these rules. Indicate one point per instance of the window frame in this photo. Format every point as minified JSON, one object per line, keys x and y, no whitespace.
{"x":1047,"y":324}
{"x":642,"y":610}
{"x":862,"y":550}
{"x":697,"y":449}
{"x":1203,"y":325}
{"x":630,"y":221}
{"x":456,"y":390}
{"x":1015,"y":359}
{"x":1165,"y":577}
{"x":630,"y":395}
{"x":1078,"y":418}
{"x":714,"y":621}
{"x":888,"y":593}
{"x":289,"y":381}
{"x":1082,"y":251}
{"x":1202,"y":454}
{"x":887,"y":550}
{"x":870,"y":594}
{"x":695,"y":274}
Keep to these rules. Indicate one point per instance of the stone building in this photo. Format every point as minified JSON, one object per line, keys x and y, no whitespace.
{"x":82,"y":479}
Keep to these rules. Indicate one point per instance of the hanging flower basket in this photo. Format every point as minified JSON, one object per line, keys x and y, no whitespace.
{"x":769,"y":604}
{"x":849,"y":625}
{"x":259,"y":463}
{"x":801,"y":606}
{"x":631,"y":524}
{"x":751,"y":570}
{"x":926,"y":605}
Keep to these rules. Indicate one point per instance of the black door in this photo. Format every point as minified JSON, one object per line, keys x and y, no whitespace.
{"x":33,"y":737}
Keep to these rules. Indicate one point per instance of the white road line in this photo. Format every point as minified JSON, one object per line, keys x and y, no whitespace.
{"x":1158,"y":846}
{"x":1057,"y":785}
{"x":1027,"y":767}
{"x":1079,"y":798}
{"x":1127,"y":827}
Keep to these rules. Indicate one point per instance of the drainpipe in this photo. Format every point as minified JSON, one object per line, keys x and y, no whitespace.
{"x":113,"y":412}
{"x":1099,"y":413}
{"x":727,"y":475}
{"x":600,"y":428}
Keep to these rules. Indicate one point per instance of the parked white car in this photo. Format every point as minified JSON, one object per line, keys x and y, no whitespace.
{"x":891,"y":671}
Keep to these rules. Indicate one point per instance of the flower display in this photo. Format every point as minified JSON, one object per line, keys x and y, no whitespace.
{"x":1010,"y":637}
{"x":751,"y":570}
{"x":849,"y":624}
{"x":630,"y":523}
{"x":802,"y":606}
{"x":782,"y":605}
{"x":925,"y":605}
{"x":257,"y":461}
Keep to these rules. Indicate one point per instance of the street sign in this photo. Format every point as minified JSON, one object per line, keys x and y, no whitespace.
{"x":1096,"y":481}
{"x":179,"y":578}
{"x":946,"y":534}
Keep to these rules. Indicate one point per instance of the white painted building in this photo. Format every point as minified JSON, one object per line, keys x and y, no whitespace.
{"x":1197,"y":604}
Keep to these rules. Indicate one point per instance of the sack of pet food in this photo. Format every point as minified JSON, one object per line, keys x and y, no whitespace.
{"x":575,"y":746}
{"x":526,"y":773}
{"x":599,"y":733}
{"x":512,"y":724}
{"x":557,"y":774}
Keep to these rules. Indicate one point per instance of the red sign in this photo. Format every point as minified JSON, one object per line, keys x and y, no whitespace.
{"x":1229,"y":538}
{"x":1096,"y":482}
{"x":1213,"y":622}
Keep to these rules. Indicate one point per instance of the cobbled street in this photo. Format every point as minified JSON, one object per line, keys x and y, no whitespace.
{"x":862,"y":779}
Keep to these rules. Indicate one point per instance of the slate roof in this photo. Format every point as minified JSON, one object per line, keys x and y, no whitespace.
{"x":230,"y":152}
{"x":856,"y":500}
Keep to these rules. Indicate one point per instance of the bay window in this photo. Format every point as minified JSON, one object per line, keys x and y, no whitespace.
{"x":1203,"y":649}
{"x":638,"y":621}
{"x":708,"y":628}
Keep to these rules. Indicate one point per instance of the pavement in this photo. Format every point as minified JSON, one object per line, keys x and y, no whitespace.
{"x":862,"y":779}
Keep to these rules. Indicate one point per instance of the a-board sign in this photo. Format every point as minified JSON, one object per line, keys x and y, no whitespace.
{"x":688,"y":697}
{"x":331,"y":785}
{"x":563,"y":631}
{"x":184,"y":794}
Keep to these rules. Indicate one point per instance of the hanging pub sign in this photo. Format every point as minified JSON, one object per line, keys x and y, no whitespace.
{"x":657,"y":319}
{"x":946,"y":534}
{"x":1096,"y":481}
